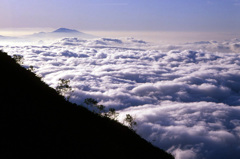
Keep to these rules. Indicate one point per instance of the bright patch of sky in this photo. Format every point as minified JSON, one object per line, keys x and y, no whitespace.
{"x":125,"y":15}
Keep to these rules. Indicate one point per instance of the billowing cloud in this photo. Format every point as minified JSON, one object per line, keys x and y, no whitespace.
{"x":190,"y":130}
{"x":185,"y":98}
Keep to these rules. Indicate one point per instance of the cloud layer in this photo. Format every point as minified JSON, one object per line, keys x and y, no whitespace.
{"x":186,"y":99}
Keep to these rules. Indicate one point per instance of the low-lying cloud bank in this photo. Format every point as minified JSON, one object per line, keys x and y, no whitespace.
{"x":227,"y":46}
{"x":186,"y":99}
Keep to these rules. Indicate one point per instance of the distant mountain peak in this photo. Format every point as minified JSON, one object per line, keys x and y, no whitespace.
{"x":65,"y":30}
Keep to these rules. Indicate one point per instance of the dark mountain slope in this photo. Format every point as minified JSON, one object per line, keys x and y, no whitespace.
{"x":37,"y":123}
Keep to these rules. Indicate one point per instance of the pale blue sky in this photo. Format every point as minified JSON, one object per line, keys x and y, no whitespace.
{"x":125,"y":15}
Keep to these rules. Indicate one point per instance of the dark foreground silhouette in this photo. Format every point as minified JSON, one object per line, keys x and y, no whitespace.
{"x":37,"y":123}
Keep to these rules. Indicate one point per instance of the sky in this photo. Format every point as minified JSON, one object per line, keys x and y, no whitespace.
{"x":123,"y":15}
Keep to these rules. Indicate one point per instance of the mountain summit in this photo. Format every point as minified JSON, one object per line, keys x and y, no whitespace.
{"x":65,"y":30}
{"x":60,"y":33}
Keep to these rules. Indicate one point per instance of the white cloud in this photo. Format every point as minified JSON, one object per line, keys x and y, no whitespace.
{"x":186,"y":98}
{"x":196,"y":128}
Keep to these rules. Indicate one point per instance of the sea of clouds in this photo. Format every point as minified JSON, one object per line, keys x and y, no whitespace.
{"x":185,"y":98}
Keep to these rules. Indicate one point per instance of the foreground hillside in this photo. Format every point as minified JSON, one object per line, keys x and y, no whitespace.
{"x":36,"y":122}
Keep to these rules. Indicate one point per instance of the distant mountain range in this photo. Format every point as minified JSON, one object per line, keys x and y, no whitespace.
{"x":59,"y":33}
{"x":7,"y":37}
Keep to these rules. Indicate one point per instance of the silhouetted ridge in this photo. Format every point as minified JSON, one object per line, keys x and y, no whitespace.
{"x":37,"y":123}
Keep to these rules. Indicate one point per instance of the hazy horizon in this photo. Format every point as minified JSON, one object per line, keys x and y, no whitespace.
{"x":149,"y":36}
{"x":154,"y":21}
